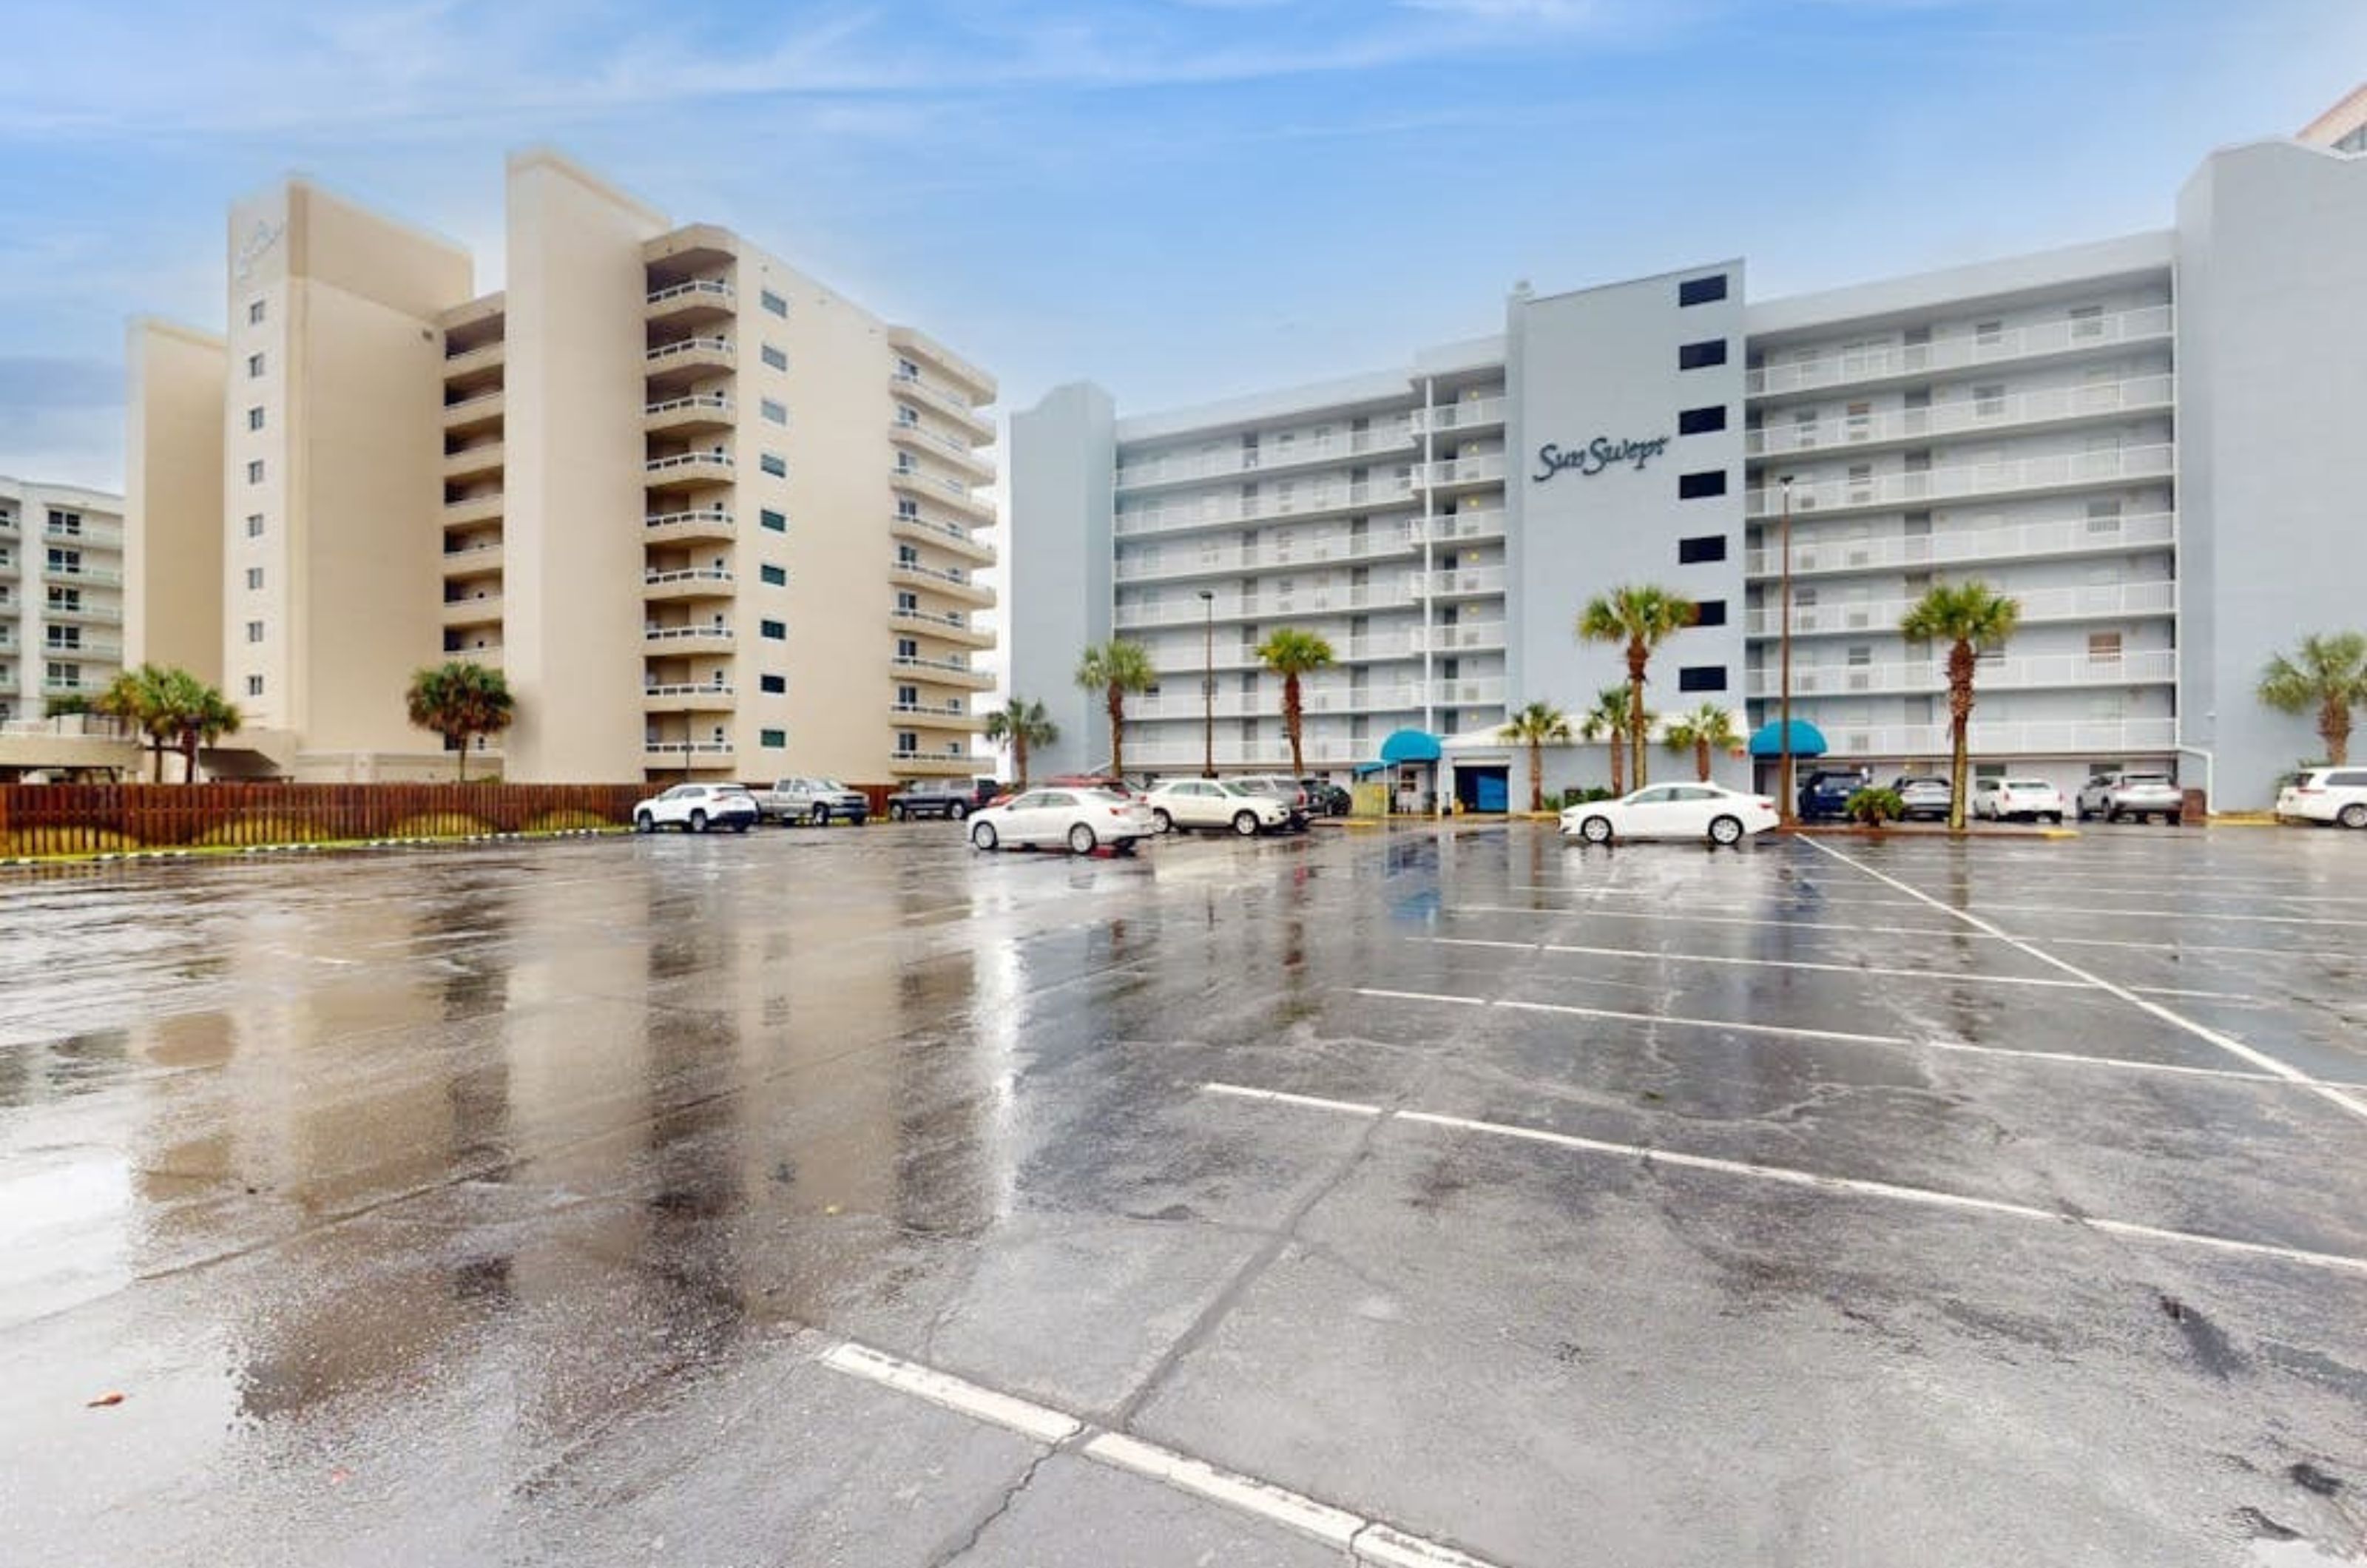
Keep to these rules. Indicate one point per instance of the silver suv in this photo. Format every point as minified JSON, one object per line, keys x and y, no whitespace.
{"x":816,"y":802}
{"x":2114,"y":795}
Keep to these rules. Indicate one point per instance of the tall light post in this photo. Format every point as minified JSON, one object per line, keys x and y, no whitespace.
{"x":1208,"y":684}
{"x":1787,"y":803}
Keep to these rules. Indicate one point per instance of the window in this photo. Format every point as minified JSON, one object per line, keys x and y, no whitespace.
{"x":1709,"y":613}
{"x":775,"y":463}
{"x":2103,"y":648}
{"x":907,"y":371}
{"x":254,"y":313}
{"x":773,"y":631}
{"x":773,"y":358}
{"x":255,"y":685}
{"x":772,"y":685}
{"x":1701,"y":422}
{"x":778,"y":521}
{"x":64,"y":675}
{"x":1857,"y":420}
{"x":254,"y":525}
{"x":773,"y":739}
{"x":255,"y":472}
{"x":253,"y":578}
{"x":1700,"y":355}
{"x":1701,"y":291}
{"x":254,"y":365}
{"x":2103,"y":517}
{"x":906,"y":648}
{"x":1694,"y":486}
{"x":908,"y":509}
{"x":773,"y":413}
{"x":2088,"y":320}
{"x":774,"y":576}
{"x":908,"y":743}
{"x":1705,"y":547}
{"x":1988,"y":334}
{"x":909,"y":603}
{"x":1989,"y":402}
{"x":773,"y":302}
{"x":907,"y":418}
{"x":254,"y":631}
{"x":1701,"y":678}
{"x":904,"y":464}
{"x":254,"y":418}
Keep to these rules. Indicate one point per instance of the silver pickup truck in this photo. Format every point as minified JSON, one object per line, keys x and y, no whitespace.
{"x":814,"y":802}
{"x":2114,"y":795}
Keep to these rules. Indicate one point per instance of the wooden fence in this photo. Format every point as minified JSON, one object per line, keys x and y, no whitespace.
{"x":100,"y":819}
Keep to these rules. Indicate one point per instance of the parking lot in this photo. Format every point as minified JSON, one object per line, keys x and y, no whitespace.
{"x":1405,"y":1196}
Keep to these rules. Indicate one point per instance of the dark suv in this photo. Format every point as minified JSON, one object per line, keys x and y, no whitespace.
{"x":1825,"y":795}
{"x":951,"y":799}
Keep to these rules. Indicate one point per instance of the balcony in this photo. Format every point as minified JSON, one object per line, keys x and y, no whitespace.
{"x":675,"y":755}
{"x":86,"y":615}
{"x":2152,"y":323}
{"x":1966,"y":416}
{"x":474,"y":412}
{"x":482,"y":461}
{"x":474,"y":609}
{"x":2117,"y":602}
{"x":84,"y":535}
{"x":1395,"y":440}
{"x":943,"y":672}
{"x":967,"y":380}
{"x":686,"y":470}
{"x":938,"y":624}
{"x":1456,"y":473}
{"x":672,"y":641}
{"x":947,"y":401}
{"x":943,"y":448}
{"x":1461,"y":636}
{"x":1471,"y":523}
{"x":696,"y":522}
{"x":1230,"y":511}
{"x":2027,"y":476}
{"x":943,"y":490}
{"x":947,"y":762}
{"x":1460,"y":419}
{"x":944,"y":536}
{"x":1395,"y":696}
{"x":88,"y":647}
{"x":469,"y":509}
{"x":475,"y":560}
{"x":1321,"y":751}
{"x":477,"y":369}
{"x":941,"y":580}
{"x":690,"y":583}
{"x":1485,"y":692}
{"x":692,"y":413}
{"x":1212,"y":560}
{"x":954,"y":716}
{"x":2087,"y":738}
{"x":701,"y":696}
{"x":2021,"y":541}
{"x":1226,"y":607}
{"x":2152,"y":667}
{"x":672,"y":367}
{"x":97,"y":576}
{"x":488,"y":655}
{"x":696,"y":299}
{"x":1466,"y":582}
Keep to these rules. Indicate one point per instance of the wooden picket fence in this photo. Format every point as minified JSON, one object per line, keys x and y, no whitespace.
{"x":49,"y":820}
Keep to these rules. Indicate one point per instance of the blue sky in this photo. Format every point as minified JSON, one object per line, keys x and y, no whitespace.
{"x":1182,"y":199}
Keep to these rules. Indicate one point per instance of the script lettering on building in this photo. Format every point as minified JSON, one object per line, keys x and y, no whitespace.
{"x":1596,"y":456}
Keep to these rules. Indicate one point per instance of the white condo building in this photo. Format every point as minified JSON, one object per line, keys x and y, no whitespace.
{"x":2144,"y":441}
{"x":61,"y":595}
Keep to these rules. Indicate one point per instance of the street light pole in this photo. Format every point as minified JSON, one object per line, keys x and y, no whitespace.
{"x":1209,"y":685}
{"x":1787,"y":803}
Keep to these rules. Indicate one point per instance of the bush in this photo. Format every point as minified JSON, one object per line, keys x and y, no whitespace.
{"x":567,"y":822}
{"x":1874,"y":806}
{"x":440,"y":825}
{"x":267,"y":828}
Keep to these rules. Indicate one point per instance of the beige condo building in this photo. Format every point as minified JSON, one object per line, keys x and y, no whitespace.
{"x":711,"y":518}
{"x":61,"y":595}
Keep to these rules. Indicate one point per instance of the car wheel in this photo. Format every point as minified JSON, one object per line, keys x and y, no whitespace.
{"x":1725,"y":830}
{"x":2054,"y":818}
{"x":983,"y":836}
{"x":1081,"y":840}
{"x":644,"y":823}
{"x":1163,"y":822}
{"x":2086,"y":815}
{"x":1246,"y":824}
{"x":2353,"y":815}
{"x":1595,"y":829}
{"x":1126,"y":846}
{"x":2173,"y":818}
{"x":894,"y":812}
{"x":739,"y":827}
{"x":698,"y":822}
{"x":818,"y":816}
{"x":956,"y":811}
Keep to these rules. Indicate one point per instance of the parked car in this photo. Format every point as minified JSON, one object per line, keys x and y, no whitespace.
{"x":1924,"y":795}
{"x":1709,"y":811}
{"x":2141,"y":795}
{"x":1288,"y":791}
{"x":1826,"y":794}
{"x":1081,"y":819}
{"x":950,"y":798}
{"x":2002,"y":800}
{"x":1325,"y":798}
{"x":1110,"y":782}
{"x":1215,"y":804}
{"x":696,"y":808}
{"x":2326,"y":794}
{"x":817,"y":802}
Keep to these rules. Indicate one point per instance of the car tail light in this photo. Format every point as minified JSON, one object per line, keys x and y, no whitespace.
{"x":2307,"y":789}
{"x":1765,"y":804}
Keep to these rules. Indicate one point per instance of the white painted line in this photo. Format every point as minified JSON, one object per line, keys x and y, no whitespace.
{"x":1240,"y":1492}
{"x":1870,"y":970}
{"x":1676,"y":912}
{"x":1397,"y":1550}
{"x":2233,"y":1046}
{"x":1891,"y":1191}
{"x":1279,"y":1098}
{"x":1036,"y":1421}
{"x":2213,"y":916}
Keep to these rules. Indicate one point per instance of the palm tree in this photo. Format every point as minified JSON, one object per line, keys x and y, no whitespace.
{"x":1020,"y":724}
{"x":1968,"y":617}
{"x":1290,"y":653}
{"x":1641,"y":617}
{"x":203,"y":717}
{"x":1536,"y":727}
{"x":1608,"y":719}
{"x":460,"y":701}
{"x":142,"y":697}
{"x":2328,"y":673}
{"x":1707,"y":728}
{"x":1113,"y":668}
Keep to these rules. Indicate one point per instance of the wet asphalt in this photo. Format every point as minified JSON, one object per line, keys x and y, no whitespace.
{"x":1825,"y":1203}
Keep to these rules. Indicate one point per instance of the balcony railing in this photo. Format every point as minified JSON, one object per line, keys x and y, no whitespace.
{"x":1971,"y":348}
{"x":710,"y":288}
{"x":2013,"y":542}
{"x":1460,"y":636}
{"x":86,"y":536}
{"x":711,"y":575}
{"x":1971,"y":416}
{"x":2113,"y":738}
{"x":1472,"y":523}
{"x":945,"y":400}
{"x":109,"y":615}
{"x":1267,"y":456}
{"x":2011,"y":673}
{"x":1482,"y":469}
{"x":2063,"y":470}
{"x":928,"y":669}
{"x":1222,"y":512}
{"x":1397,"y":540}
{"x":709,"y":516}
{"x":105,"y":576}
{"x":958,"y":579}
{"x":1883,"y":615}
{"x":1471,"y":413}
{"x":720,"y":751}
{"x":685,"y":634}
{"x":688,"y":460}
{"x":941,"y":619}
{"x":1323,"y":751}
{"x":715,"y":404}
{"x":687,"y":347}
{"x":1466,"y":580}
{"x":1259,"y":606}
{"x":87,"y":649}
{"x":691,"y":691}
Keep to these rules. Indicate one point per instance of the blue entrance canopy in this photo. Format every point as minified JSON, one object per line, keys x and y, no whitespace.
{"x":1410,"y":746}
{"x":1807,"y":740}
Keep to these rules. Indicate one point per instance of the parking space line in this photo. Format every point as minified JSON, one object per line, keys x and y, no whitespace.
{"x":1651,"y":1155}
{"x":1890,"y":1042}
{"x":1279,"y":1098}
{"x":2337,"y":1098}
{"x":2214,"y":915}
{"x":1870,"y":970}
{"x":1365,"y":1540}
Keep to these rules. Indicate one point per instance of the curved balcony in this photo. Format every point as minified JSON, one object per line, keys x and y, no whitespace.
{"x":688,"y":470}
{"x":692,"y":413}
{"x":696,"y":522}
{"x":944,"y":536}
{"x":945,"y":627}
{"x":690,"y":583}
{"x":953,"y":672}
{"x":940,"y":579}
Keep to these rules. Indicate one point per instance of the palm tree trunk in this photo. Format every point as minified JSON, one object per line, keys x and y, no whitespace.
{"x":156,"y":753}
{"x":1117,"y":730}
{"x":1960,"y":719}
{"x":1637,"y":655}
{"x":189,"y":756}
{"x":1701,"y":759}
{"x":2333,"y":729}
{"x":1290,"y":715}
{"x":1618,"y":763}
{"x":464,"y":753}
{"x":1019,"y":757}
{"x":1536,"y":774}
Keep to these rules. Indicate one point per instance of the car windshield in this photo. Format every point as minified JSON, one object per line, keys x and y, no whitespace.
{"x":828,"y":783}
{"x":2151,"y":780}
{"x":1246,"y":791}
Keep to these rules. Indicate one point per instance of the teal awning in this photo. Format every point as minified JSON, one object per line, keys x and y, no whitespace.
{"x":1807,"y":740}
{"x":1410,"y":746}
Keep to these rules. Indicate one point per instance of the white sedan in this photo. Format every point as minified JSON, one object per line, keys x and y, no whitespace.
{"x":1709,"y":811}
{"x":1081,"y":819}
{"x":2002,"y":800}
{"x":1217,"y":803}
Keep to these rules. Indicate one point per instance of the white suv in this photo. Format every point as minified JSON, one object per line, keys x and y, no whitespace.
{"x":2002,"y":800}
{"x":695,"y":807}
{"x":1214,"y":803}
{"x":2326,"y":794}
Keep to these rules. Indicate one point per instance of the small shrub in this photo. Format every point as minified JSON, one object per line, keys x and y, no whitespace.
{"x":568,"y":821}
{"x":1874,"y":806}
{"x":266,"y":829}
{"x":440,"y":825}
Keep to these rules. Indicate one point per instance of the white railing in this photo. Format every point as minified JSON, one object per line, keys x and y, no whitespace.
{"x":1462,"y":635}
{"x":489,"y":547}
{"x":1218,"y":512}
{"x":2114,"y":739}
{"x":711,"y":514}
{"x":1471,"y":413}
{"x":95,"y":539}
{"x":686,"y":748}
{"x":1968,"y":348}
{"x":1262,"y":606}
{"x":103,"y":576}
{"x":952,"y":531}
{"x":1458,"y":694}
{"x":108,"y":614}
{"x":940,"y":574}
{"x":1393,"y":541}
{"x":716,"y":574}
{"x":2009,"y":673}
{"x":679,"y":634}
{"x":943,"y":398}
{"x":966,"y":451}
{"x":1462,"y":470}
{"x":2011,"y":542}
{"x":1181,"y":467}
{"x":1965,"y":478}
{"x":676,"y":350}
{"x":2137,"y":395}
{"x":942,"y":754}
{"x":1467,"y":579}
{"x":691,"y":689}
{"x":688,"y":460}
{"x":710,"y":288}
{"x":955,"y":667}
{"x":1231,"y":756}
{"x":87,"y":649}
{"x":67,"y":726}
{"x":939,"y":618}
{"x":1476,"y":522}
{"x":933,"y":710}
{"x":1883,"y":615}
{"x":713,"y":403}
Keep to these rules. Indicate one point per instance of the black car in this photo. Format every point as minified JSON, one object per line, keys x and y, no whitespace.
{"x":1325,"y":798}
{"x":951,"y":799}
{"x":1825,"y":795}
